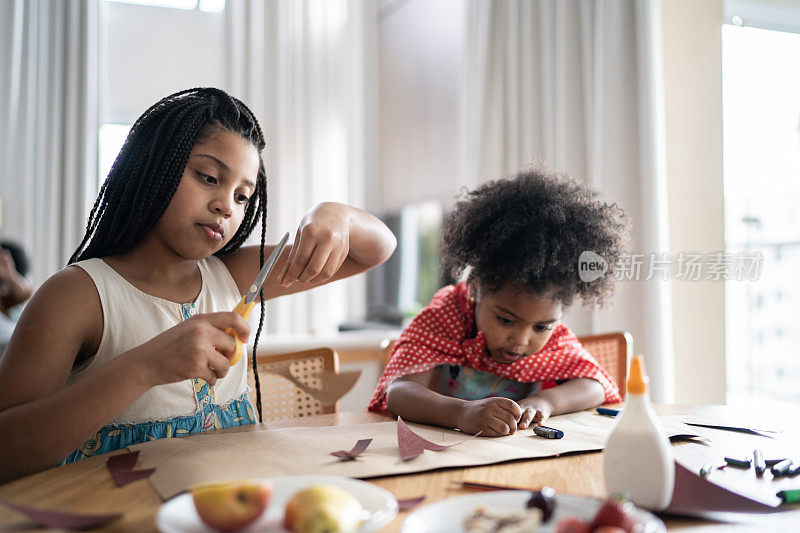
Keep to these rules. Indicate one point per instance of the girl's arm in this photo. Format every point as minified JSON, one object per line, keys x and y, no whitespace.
{"x":572,"y":395}
{"x":42,"y":420}
{"x":333,"y":241}
{"x":410,"y":398}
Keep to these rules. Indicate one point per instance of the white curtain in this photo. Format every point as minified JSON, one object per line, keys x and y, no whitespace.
{"x":303,"y":67}
{"x":48,"y":126}
{"x":577,"y":84}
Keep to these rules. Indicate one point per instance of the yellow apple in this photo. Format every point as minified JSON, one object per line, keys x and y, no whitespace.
{"x":231,"y":506}
{"x":323,"y":509}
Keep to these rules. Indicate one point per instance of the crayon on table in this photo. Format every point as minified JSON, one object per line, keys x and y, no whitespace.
{"x":738,"y":463}
{"x":548,"y":433}
{"x":789,"y":496}
{"x":606,"y":411}
{"x":773,"y":462}
{"x":759,"y":463}
{"x":782,"y":468}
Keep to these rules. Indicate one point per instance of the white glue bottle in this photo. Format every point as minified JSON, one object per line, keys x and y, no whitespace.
{"x":638,"y":460}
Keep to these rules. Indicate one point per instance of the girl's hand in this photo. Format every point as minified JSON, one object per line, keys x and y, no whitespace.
{"x":321,"y":245}
{"x":189,"y":350}
{"x":492,"y":417}
{"x":536,"y":411}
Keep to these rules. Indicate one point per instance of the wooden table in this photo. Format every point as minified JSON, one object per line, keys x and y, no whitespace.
{"x":86,"y":486}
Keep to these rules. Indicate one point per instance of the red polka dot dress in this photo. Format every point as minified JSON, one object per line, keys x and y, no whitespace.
{"x":438,"y":336}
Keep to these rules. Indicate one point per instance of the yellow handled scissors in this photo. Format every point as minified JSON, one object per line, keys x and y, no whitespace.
{"x":248,"y":301}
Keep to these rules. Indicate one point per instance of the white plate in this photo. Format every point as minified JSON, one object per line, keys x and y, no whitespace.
{"x":447,"y":516}
{"x":178,"y":514}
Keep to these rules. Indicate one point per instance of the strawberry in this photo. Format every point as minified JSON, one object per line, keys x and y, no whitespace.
{"x":572,"y":525}
{"x":613,"y":514}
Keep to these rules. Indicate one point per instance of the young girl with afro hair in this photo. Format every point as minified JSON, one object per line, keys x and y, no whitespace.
{"x":491,"y":354}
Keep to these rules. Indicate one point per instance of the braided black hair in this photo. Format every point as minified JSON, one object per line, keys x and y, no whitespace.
{"x":149,"y":167}
{"x":529,"y":231}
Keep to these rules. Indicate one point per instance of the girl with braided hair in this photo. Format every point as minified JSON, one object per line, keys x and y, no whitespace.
{"x":485,"y":355}
{"x":127,"y":343}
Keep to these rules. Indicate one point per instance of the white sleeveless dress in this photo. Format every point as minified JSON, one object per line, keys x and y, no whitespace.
{"x":131,"y":318}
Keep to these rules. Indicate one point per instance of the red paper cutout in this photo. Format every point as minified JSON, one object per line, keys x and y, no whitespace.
{"x":357,"y":450}
{"x":64,"y":520}
{"x":409,"y":503}
{"x":123,"y":461}
{"x":121,"y":468}
{"x":412,"y":445}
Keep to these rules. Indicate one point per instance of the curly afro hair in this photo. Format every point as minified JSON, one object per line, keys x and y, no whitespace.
{"x":529,"y":231}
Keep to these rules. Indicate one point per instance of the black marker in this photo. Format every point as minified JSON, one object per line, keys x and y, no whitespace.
{"x":738,"y":463}
{"x":759,"y":463}
{"x":548,"y":433}
{"x":606,"y":411}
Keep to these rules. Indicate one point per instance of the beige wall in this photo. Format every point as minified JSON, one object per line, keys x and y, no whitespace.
{"x":693,"y":105}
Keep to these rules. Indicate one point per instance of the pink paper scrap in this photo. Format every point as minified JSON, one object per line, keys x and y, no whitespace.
{"x":121,"y":467}
{"x":409,"y":503}
{"x":412,"y":445}
{"x":357,"y":450}
{"x":61,"y":519}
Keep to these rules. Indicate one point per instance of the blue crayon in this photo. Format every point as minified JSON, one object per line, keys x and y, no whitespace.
{"x":548,"y":433}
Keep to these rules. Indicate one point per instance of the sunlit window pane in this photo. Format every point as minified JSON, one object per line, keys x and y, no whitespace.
{"x":112,"y":137}
{"x":172,"y":4}
{"x":212,"y":6}
{"x":761,"y":117}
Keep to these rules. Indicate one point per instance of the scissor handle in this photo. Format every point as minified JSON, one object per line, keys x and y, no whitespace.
{"x":243,"y":309}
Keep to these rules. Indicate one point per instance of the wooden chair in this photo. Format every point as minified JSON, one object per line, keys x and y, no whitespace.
{"x":282,"y":399}
{"x":612,"y":350}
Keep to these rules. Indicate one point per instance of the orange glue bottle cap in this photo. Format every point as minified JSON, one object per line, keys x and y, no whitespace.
{"x":637,"y":380}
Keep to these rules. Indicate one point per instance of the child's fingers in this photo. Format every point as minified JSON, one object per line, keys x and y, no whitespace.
{"x":508,"y":422}
{"x":284,"y":270}
{"x":223,"y":343}
{"x":228,"y":319}
{"x":209,"y":375}
{"x":511,"y":406}
{"x":501,"y":427}
{"x":297,"y":264}
{"x":293,"y":246}
{"x":315,"y":265}
{"x":527,"y":417}
{"x":219,"y":364}
{"x":283,"y":278}
{"x":331,"y":267}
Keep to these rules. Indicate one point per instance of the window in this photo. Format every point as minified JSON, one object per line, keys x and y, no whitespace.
{"x":761,"y":121}
{"x":399,"y":288}
{"x":135,"y":72}
{"x":112,"y":137}
{"x":208,"y":6}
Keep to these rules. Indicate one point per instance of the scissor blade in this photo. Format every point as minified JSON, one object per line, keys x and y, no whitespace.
{"x":269,"y":264}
